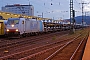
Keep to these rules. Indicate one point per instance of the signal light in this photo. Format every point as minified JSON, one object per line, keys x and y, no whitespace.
{"x":73,"y":13}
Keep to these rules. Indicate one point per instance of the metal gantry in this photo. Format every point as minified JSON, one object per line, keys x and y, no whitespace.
{"x":71,"y":17}
{"x":83,"y":12}
{"x":71,"y":11}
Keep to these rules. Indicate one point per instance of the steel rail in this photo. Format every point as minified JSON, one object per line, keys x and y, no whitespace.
{"x":71,"y":58}
{"x":30,"y":56}
{"x":52,"y":55}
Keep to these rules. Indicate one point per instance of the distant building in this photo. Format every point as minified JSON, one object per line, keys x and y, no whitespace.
{"x":19,"y":9}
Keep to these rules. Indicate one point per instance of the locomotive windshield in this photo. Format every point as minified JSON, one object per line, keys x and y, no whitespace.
{"x":13,"y":21}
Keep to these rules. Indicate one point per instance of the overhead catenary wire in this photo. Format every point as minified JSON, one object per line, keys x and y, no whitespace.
{"x":52,"y":11}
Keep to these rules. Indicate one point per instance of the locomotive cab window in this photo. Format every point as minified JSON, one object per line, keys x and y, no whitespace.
{"x":13,"y":21}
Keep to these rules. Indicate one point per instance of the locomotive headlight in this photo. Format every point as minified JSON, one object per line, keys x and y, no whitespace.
{"x":7,"y":30}
{"x":16,"y":29}
{"x":12,"y":25}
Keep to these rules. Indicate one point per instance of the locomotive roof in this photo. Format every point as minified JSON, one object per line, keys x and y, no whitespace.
{"x":13,"y":18}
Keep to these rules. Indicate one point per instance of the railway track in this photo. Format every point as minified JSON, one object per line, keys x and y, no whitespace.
{"x":20,"y":54}
{"x":29,"y":41}
{"x":59,"y":47}
{"x":30,"y":45}
{"x":5,"y":41}
{"x":23,"y":42}
{"x":71,"y":56}
{"x":41,"y":55}
{"x":36,"y":46}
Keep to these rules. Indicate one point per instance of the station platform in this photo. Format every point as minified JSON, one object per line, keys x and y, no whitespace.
{"x":86,"y":55}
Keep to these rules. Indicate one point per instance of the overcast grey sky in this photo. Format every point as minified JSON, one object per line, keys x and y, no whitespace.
{"x":57,"y":9}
